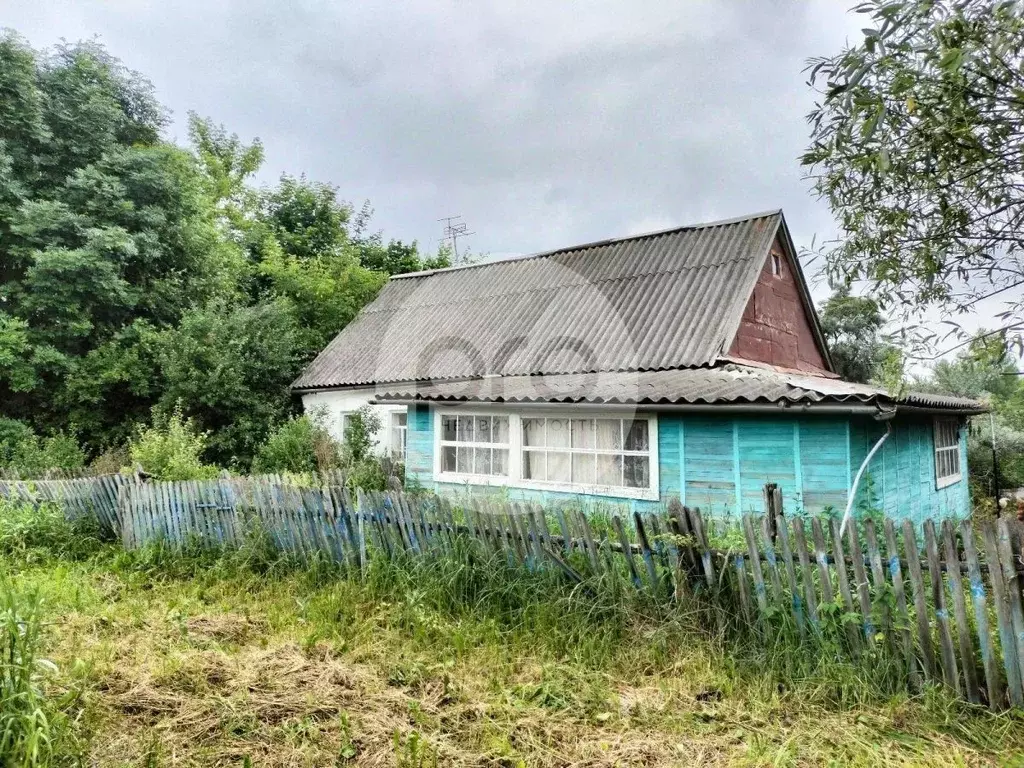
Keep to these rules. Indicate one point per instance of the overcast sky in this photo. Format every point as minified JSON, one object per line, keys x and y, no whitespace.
{"x":543,"y":124}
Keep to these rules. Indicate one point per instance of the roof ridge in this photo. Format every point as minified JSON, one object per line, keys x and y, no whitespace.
{"x":595,"y":244}
{"x":561,"y":286}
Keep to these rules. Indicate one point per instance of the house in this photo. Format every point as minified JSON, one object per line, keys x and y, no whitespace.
{"x":684,"y":363}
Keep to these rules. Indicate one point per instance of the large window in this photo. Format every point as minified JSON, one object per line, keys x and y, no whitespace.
{"x":947,"y":452}
{"x":611,"y":453}
{"x":474,"y":444}
{"x":604,"y":453}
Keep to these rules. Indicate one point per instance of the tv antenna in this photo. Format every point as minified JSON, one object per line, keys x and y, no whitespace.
{"x":454,"y":228}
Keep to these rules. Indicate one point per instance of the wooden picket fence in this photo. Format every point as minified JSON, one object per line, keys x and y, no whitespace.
{"x":56,"y":473}
{"x":95,"y":497}
{"x":942,"y":600}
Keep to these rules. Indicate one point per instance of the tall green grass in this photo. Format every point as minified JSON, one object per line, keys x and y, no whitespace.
{"x":33,"y":728}
{"x":462,"y":602}
{"x":30,"y":533}
{"x":594,"y":622}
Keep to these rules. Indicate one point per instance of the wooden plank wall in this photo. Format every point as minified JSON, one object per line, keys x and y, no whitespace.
{"x":942,"y":601}
{"x":720,"y":465}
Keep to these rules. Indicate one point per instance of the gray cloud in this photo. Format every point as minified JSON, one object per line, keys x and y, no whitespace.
{"x":543,"y":124}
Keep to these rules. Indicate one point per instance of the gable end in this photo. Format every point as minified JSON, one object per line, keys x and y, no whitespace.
{"x":778,"y":326}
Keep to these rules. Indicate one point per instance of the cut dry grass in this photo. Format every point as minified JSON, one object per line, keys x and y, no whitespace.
{"x":198,"y":662}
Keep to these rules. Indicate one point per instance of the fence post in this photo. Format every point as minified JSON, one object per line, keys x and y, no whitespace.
{"x":360,"y":533}
{"x":1001,"y":599}
{"x":977,"y":585}
{"x":697,"y":523}
{"x":1012,"y":579}
{"x":949,"y":669}
{"x":960,"y":611}
{"x":896,"y":574}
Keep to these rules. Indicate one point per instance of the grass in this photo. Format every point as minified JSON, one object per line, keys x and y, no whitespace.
{"x":197,"y":658}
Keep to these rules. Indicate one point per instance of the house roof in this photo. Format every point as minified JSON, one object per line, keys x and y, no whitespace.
{"x":665,"y":300}
{"x":727,"y":384}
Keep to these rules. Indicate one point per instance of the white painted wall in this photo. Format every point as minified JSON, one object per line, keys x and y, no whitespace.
{"x":339,"y":402}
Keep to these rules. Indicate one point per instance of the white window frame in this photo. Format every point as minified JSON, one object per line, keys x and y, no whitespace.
{"x":469,"y":477}
{"x":515,"y":479}
{"x":398,"y":434}
{"x":938,"y":448}
{"x":343,"y":419}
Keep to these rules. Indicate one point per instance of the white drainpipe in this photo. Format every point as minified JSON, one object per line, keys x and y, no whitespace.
{"x":860,"y":473}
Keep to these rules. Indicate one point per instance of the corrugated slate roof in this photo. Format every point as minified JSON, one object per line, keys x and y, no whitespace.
{"x":732,"y":384}
{"x":670,"y":299}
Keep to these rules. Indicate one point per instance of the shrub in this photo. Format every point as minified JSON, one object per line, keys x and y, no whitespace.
{"x":111,"y":461}
{"x":358,"y":439}
{"x":15,"y":439}
{"x":171,"y":448}
{"x":61,"y":451}
{"x":301,"y":444}
{"x":31,"y":532}
{"x":363,"y":468}
{"x":22,"y":448}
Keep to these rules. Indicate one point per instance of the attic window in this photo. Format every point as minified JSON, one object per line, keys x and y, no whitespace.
{"x":776,"y":265}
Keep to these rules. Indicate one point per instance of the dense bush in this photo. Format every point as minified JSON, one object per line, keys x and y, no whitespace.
{"x":301,"y":444}
{"x":363,"y":468}
{"x":21,"y":447}
{"x":171,"y":448}
{"x":35,"y":533}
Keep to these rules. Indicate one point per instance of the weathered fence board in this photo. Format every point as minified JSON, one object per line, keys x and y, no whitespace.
{"x":81,"y":497}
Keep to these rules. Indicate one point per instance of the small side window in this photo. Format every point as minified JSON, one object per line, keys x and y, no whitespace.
{"x":399,"y":433}
{"x":947,"y":452}
{"x":776,"y":265}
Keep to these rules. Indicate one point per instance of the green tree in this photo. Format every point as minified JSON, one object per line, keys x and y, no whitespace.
{"x":229,"y":368}
{"x":104,"y":226}
{"x":917,"y":144}
{"x":394,"y":258}
{"x":852,"y":326}
{"x":135,"y":273}
{"x":985,"y":369}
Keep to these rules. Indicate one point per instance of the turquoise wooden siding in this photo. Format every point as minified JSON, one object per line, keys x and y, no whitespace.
{"x":766,"y":455}
{"x":670,"y":456}
{"x":722,"y":464}
{"x":419,"y":444}
{"x":824,"y":463}
{"x":710,"y":464}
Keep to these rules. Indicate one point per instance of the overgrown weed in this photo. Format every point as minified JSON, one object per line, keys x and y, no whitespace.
{"x":34,"y":726}
{"x":30,"y":533}
{"x":253,"y":652}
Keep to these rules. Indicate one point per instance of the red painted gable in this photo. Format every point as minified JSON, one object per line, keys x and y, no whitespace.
{"x":775,"y":328}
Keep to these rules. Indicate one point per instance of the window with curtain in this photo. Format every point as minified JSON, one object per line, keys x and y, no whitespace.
{"x":610,"y":453}
{"x":475,"y":444}
{"x":947,"y":452}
